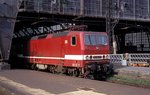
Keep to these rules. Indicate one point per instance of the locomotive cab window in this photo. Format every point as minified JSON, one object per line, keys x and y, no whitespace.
{"x":73,"y":41}
{"x":95,"y":40}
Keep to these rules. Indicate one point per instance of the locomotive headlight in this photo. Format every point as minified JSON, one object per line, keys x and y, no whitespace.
{"x":87,"y":57}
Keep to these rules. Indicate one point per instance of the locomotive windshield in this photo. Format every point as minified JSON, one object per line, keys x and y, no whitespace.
{"x":95,"y":39}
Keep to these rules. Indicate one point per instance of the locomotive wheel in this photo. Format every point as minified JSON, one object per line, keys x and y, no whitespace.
{"x":33,"y":66}
{"x":53,"y":69}
{"x":49,"y":69}
{"x":70,"y":72}
{"x":88,"y":74}
{"x":76,"y":73}
{"x":59,"y":69}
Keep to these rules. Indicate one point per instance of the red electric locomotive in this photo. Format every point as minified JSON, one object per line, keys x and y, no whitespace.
{"x":70,"y":52}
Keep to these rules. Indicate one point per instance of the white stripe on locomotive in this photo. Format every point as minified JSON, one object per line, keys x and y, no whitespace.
{"x":71,"y":57}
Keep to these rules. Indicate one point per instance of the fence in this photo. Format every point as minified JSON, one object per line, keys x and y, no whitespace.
{"x":131,"y":58}
{"x":139,"y":58}
{"x":116,"y":58}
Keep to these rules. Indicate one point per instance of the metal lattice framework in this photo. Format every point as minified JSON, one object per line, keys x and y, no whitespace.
{"x":116,"y":58}
{"x":139,"y":58}
{"x":130,"y":58}
{"x":37,"y":17}
{"x":83,"y":10}
{"x":49,"y":16}
{"x":131,"y":9}
{"x":34,"y":31}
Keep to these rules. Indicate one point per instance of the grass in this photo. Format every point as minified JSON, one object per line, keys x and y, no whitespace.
{"x":130,"y":81}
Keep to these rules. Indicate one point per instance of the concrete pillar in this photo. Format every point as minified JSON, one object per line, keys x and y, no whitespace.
{"x":8,"y":14}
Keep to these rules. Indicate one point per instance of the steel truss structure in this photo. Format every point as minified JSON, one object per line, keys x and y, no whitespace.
{"x":42,"y":14}
{"x":111,"y":10}
{"x":129,"y":9}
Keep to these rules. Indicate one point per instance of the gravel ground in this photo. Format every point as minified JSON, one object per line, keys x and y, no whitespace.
{"x":138,"y":72}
